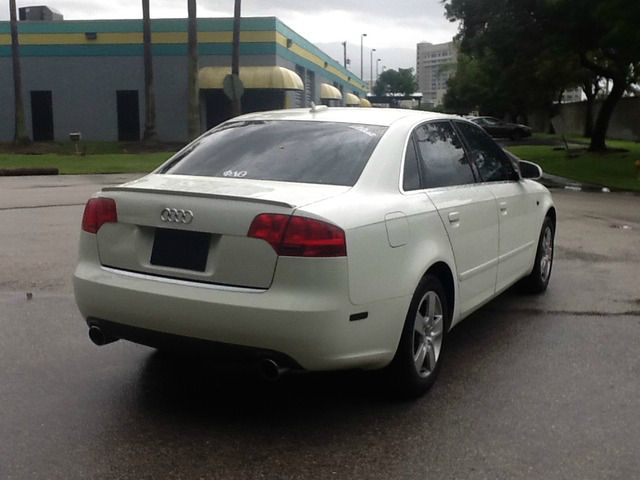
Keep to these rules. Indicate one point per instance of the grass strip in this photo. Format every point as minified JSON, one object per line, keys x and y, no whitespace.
{"x":88,"y":164}
{"x":615,"y":169}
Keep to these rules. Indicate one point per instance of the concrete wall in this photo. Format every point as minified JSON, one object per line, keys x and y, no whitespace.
{"x":84,"y":91}
{"x":624,"y":124}
{"x":84,"y":95}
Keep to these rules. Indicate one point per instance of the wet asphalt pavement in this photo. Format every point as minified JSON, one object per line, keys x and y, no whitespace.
{"x":532,"y":387}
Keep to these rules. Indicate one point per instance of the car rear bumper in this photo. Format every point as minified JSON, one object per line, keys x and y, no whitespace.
{"x":306,"y":315}
{"x":223,"y":353}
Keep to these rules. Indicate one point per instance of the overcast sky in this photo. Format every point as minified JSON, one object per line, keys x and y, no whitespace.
{"x":393,"y":27}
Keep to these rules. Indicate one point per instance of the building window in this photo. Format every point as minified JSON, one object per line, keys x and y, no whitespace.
{"x":42,"y":115}
{"x":128,"y":115}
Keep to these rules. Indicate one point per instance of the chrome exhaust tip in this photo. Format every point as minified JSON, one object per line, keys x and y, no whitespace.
{"x":270,"y":370}
{"x":99,"y":337}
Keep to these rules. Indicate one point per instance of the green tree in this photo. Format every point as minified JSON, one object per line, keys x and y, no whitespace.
{"x":401,"y":81}
{"x":21,"y":136}
{"x":537,"y":48}
{"x":502,"y":42}
{"x":472,"y":88}
{"x":604,"y":35}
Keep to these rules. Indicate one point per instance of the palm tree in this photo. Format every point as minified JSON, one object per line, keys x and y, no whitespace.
{"x":193,"y":121}
{"x":20,"y":136}
{"x":149,"y":95}
{"x":236,"y":102}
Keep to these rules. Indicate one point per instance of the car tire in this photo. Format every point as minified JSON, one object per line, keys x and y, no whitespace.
{"x":418,"y":358}
{"x":538,"y":280}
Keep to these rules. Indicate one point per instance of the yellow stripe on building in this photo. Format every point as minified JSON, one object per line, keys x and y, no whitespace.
{"x":79,"y":39}
{"x":135,"y":38}
{"x":307,"y":55}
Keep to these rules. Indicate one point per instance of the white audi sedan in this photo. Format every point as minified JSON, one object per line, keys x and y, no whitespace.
{"x":318,"y":239}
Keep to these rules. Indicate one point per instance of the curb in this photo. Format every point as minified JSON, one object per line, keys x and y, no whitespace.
{"x":21,"y":172}
{"x":554,"y":181}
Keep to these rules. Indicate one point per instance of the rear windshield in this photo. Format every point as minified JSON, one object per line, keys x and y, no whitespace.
{"x":288,"y":151}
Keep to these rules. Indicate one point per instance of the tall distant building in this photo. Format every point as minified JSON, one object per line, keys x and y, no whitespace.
{"x":434,"y":65}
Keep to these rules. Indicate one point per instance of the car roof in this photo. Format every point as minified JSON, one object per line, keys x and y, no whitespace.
{"x":367,"y":116}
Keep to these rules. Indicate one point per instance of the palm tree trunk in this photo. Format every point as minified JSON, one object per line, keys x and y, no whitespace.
{"x":150,"y":134}
{"x":193,"y":121}
{"x":236,"y":102}
{"x":20,"y":134}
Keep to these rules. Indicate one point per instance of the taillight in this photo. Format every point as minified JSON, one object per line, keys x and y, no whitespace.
{"x":299,"y":236}
{"x":97,"y":212}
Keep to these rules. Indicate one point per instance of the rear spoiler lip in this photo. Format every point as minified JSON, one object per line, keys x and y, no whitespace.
{"x":199,"y":195}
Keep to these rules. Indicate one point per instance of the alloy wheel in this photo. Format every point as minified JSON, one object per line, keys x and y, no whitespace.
{"x":428,"y":328}
{"x":547,"y":254}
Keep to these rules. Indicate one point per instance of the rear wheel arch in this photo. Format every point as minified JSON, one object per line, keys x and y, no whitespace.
{"x":551,"y":213}
{"x":418,"y":356}
{"x":443,"y":272}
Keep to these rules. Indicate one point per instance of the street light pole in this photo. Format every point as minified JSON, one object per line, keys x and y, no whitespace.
{"x":344,"y":47}
{"x":362,"y":54}
{"x":371,"y":70}
{"x":377,"y":64}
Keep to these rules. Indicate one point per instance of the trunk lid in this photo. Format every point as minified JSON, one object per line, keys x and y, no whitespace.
{"x":195,"y":228}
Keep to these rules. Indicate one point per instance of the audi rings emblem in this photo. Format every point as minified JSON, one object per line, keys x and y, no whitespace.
{"x":176,"y":215}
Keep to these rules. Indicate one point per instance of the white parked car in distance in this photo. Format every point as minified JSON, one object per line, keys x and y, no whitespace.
{"x":317,"y":239}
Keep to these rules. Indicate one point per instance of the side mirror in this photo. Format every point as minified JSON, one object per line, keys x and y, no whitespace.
{"x":530,"y":170}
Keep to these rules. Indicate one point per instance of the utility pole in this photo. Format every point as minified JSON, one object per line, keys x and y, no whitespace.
{"x":362,"y":54}
{"x":344,"y":47}
{"x":371,"y":70}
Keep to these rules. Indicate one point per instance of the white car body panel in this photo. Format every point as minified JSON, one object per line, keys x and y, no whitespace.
{"x":303,"y":307}
{"x":304,"y":314}
{"x":468,"y":214}
{"x":263,"y":191}
{"x":518,"y":236}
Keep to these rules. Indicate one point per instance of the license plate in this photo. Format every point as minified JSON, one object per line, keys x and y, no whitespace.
{"x":180,"y":249}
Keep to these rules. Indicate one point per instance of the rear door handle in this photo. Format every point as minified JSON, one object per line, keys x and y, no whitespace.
{"x":503,"y":207}
{"x":454,"y":217}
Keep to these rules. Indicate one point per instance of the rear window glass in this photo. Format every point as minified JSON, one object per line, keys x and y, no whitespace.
{"x":289,"y":151}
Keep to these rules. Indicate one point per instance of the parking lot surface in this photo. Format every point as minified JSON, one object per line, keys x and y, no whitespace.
{"x":532,"y":386}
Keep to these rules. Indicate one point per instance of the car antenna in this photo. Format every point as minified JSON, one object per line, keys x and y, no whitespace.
{"x":317,"y":108}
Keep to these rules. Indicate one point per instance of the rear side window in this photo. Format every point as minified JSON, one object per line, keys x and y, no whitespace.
{"x":411,"y":179}
{"x":288,"y":151}
{"x":442,"y":156}
{"x":490,"y":159}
